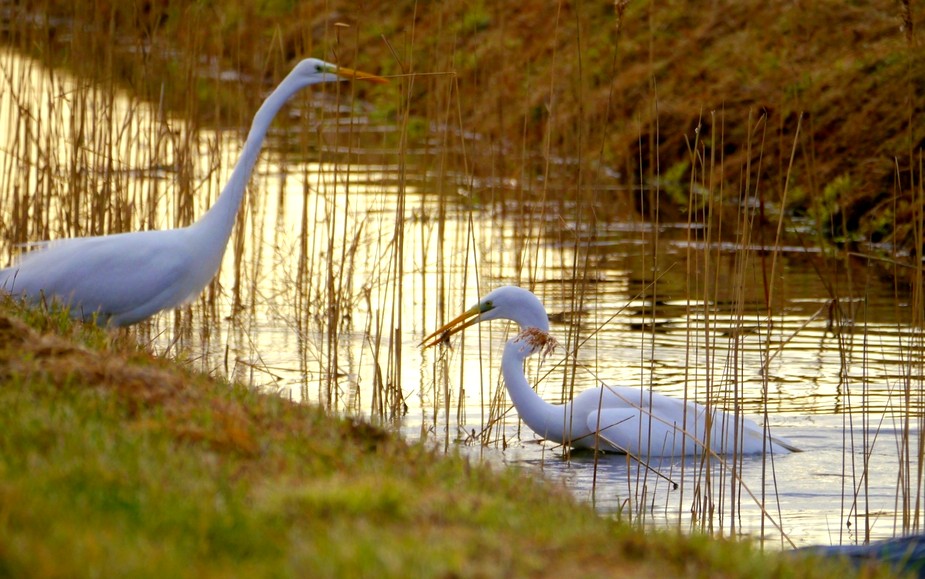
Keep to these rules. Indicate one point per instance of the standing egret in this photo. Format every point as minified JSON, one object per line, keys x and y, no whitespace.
{"x":126,"y":277}
{"x":625,"y":419}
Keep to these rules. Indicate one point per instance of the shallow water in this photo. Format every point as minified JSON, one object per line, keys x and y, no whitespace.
{"x":351,"y":252}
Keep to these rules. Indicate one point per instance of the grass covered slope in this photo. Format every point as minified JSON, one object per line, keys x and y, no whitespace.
{"x":730,"y":89}
{"x":114,"y":462}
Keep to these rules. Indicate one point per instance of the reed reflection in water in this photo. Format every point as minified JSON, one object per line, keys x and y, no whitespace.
{"x":349,"y":252}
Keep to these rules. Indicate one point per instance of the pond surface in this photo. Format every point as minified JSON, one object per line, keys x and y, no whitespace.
{"x":349,"y":252}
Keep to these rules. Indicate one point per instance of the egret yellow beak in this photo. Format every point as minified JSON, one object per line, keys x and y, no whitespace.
{"x":344,"y":72}
{"x":459,"y":323}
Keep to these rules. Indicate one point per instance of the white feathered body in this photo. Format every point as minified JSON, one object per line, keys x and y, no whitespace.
{"x":124,"y":278}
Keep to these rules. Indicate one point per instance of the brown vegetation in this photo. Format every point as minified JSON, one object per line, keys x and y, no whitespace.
{"x":632,"y":86}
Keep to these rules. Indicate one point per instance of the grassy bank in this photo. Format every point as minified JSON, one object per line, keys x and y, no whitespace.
{"x":813,"y":107}
{"x":117,"y":463}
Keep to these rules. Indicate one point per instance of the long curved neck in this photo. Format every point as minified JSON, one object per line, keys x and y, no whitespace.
{"x":529,"y":311}
{"x":220,"y":218}
{"x":542,"y":417}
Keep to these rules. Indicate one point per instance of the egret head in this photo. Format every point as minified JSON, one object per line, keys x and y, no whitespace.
{"x":313,"y":71}
{"x":504,"y":303}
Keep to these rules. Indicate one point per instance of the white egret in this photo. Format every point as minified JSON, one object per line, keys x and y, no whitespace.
{"x":624,"y":419}
{"x":126,"y":277}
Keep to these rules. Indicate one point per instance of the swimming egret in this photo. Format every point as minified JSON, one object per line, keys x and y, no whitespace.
{"x":126,"y":277}
{"x":626,"y":419}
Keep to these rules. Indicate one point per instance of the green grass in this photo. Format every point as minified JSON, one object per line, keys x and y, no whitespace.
{"x":116,"y":463}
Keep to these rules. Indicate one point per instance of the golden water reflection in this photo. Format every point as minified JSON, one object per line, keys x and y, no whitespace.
{"x":347,"y":255}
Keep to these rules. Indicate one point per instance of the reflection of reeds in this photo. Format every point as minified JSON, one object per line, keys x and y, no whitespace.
{"x":86,"y":161}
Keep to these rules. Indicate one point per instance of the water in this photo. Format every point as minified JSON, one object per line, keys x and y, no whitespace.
{"x":349,"y":252}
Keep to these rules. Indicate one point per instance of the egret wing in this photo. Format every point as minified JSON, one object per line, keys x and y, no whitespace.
{"x":636,"y":432}
{"x":616,"y":428}
{"x":110,"y":275}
